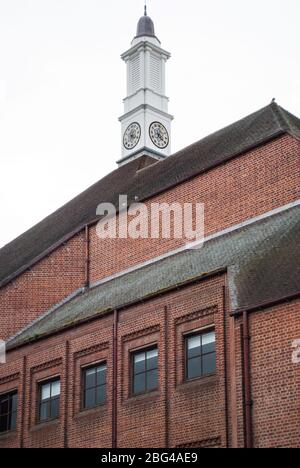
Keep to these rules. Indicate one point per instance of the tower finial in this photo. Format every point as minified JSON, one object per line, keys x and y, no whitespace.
{"x":145,"y":12}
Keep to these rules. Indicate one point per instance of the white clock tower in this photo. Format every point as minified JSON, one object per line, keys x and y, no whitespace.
{"x":146,"y":123}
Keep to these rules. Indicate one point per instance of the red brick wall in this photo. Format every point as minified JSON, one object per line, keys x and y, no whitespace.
{"x":45,"y":284}
{"x":248,"y":186}
{"x":197,"y":407}
{"x":275,"y":379}
{"x":196,"y":410}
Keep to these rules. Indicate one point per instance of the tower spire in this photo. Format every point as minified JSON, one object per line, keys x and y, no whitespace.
{"x":145,"y":9}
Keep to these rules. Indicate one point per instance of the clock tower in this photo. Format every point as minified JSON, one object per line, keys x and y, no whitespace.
{"x":146,"y":123}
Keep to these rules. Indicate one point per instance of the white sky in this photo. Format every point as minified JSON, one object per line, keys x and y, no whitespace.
{"x":62,"y":83}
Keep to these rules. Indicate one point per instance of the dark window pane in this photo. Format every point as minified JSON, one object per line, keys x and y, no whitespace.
{"x":152,"y":380}
{"x":14,"y":402}
{"x":90,"y":378}
{"x":94,"y":392}
{"x":209,"y":363}
{"x":194,"y":368}
{"x":4,"y":406}
{"x":3,"y":423}
{"x":100,"y":395}
{"x":139,"y":363}
{"x":194,"y":346}
{"x":89,"y":400}
{"x":101,"y":375}
{"x":8,"y":406}
{"x":152,"y":359}
{"x":45,"y":411}
{"x":139,"y":383}
{"x":13,"y":422}
{"x":208,"y":343}
{"x":55,"y":408}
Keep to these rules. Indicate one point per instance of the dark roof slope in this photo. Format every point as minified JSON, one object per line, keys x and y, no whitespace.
{"x":264,"y":262}
{"x":256,"y":129}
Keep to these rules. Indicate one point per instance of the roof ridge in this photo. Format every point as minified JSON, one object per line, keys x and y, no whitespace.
{"x":285,"y":119}
{"x":216,"y":132}
{"x":279,"y":115}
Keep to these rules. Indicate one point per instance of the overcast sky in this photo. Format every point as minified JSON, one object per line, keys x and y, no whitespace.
{"x":62,"y":83}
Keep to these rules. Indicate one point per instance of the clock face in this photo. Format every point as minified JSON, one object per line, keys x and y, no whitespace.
{"x":132,"y":136}
{"x":159,"y":135}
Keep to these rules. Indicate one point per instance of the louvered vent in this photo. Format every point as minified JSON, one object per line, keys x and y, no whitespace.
{"x":155,"y":73}
{"x":135,"y":74}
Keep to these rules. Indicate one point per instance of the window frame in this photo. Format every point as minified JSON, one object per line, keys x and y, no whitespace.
{"x":9,"y":395}
{"x":133,"y":353}
{"x":40,"y":401}
{"x":83,"y":370}
{"x":186,"y":337}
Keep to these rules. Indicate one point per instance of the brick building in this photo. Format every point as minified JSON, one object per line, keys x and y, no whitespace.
{"x":144,"y":342}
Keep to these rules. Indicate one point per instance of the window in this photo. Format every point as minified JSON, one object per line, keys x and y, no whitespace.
{"x":8,"y":411}
{"x":94,"y":386}
{"x":144,"y":371}
{"x":49,"y":398}
{"x":200,"y":355}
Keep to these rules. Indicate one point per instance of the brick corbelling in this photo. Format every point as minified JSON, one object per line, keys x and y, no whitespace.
{"x":197,"y":314}
{"x":46,"y":365}
{"x":9,"y":378}
{"x":250,"y":185}
{"x":92,"y":349}
{"x":141,"y":333}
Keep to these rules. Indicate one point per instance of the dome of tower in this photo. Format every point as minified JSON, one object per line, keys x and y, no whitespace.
{"x":145,"y":26}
